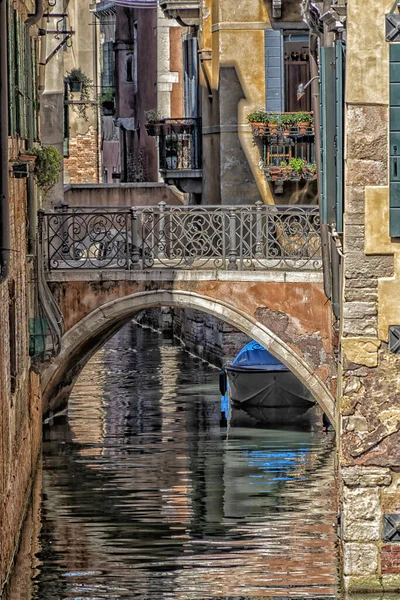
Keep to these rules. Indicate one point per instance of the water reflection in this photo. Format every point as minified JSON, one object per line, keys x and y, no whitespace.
{"x":146,"y":496}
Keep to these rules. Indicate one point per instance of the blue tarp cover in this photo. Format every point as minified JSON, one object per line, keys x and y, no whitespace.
{"x":253,"y":354}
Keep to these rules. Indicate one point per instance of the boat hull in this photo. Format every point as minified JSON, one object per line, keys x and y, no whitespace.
{"x":267,"y":388}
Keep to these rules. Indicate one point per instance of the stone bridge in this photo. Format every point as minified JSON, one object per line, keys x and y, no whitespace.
{"x":257,"y":268}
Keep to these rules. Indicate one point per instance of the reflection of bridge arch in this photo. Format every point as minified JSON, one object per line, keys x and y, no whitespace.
{"x":88,"y":335}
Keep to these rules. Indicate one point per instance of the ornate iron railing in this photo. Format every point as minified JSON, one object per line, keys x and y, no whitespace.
{"x":185,"y":237}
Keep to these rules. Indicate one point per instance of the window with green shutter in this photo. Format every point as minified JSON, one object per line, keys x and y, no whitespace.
{"x":395,"y":140}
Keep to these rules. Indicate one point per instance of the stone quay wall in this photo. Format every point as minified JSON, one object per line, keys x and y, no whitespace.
{"x":369,"y":382}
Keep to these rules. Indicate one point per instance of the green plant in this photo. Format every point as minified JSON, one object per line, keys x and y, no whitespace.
{"x":288,"y":119}
{"x":297,"y":164}
{"x":47,"y":167}
{"x":107,"y":97}
{"x":258,"y":116}
{"x":312,"y":167}
{"x":153,"y":116}
{"x":77,"y":75}
{"x":303,"y":117}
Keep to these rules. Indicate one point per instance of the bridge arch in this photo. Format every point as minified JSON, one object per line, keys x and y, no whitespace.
{"x":88,"y":335}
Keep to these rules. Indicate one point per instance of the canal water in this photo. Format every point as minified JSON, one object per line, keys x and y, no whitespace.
{"x":146,"y":493}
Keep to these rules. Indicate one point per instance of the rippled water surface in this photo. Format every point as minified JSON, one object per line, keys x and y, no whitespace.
{"x":147,"y":494}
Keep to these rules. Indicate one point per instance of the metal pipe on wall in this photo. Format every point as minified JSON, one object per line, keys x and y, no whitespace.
{"x":4,"y":189}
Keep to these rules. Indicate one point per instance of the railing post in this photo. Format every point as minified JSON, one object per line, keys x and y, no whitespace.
{"x":41,"y":237}
{"x":259,"y":237}
{"x":134,"y":254}
{"x":232,"y":266}
{"x":161,"y":230}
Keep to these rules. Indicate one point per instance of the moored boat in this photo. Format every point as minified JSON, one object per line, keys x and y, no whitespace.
{"x":256,"y":378}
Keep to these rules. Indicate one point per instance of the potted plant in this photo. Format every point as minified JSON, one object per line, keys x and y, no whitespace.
{"x":274,"y":122}
{"x":28,"y":159}
{"x":274,"y":173}
{"x":76,"y":80}
{"x":20,"y":170}
{"x":80,"y":83}
{"x":286,"y":170}
{"x":303,"y":121}
{"x":47,"y":167}
{"x":107,"y":102}
{"x":288,"y":121}
{"x":258,"y":120}
{"x":310,"y":171}
{"x":155,"y":121}
{"x":297,"y":166}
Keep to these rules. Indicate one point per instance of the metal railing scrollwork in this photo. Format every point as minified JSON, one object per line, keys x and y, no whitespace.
{"x":255,"y":237}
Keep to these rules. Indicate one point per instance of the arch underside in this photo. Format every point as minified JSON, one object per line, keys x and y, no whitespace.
{"x":87,"y":336}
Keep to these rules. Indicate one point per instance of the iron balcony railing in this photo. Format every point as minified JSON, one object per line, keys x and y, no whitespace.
{"x":188,"y":237}
{"x":179,"y":144}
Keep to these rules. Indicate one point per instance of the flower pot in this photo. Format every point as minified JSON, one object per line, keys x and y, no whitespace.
{"x":75,"y":86}
{"x":303,"y":127}
{"x":259,"y":129}
{"x":274,"y":173}
{"x":154,"y":129}
{"x":273,"y":128}
{"x":108,"y":110}
{"x":287,"y":173}
{"x":20,"y":171}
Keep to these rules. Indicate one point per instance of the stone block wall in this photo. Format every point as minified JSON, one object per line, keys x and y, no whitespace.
{"x":369,"y":372}
{"x":20,"y":392}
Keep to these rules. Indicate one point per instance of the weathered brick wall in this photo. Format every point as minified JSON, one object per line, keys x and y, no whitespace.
{"x":83,"y":162}
{"x":20,"y":410}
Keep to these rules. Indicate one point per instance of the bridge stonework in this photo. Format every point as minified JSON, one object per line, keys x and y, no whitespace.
{"x":285,"y":311}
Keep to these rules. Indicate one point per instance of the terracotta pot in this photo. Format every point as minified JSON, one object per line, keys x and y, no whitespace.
{"x":259,"y":129}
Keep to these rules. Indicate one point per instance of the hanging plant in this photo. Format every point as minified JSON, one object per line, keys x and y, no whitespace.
{"x":80,"y":83}
{"x":47,"y":167}
{"x":107,"y":102}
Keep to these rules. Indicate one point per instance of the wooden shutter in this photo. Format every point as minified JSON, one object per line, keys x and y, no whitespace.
{"x":274,"y":71}
{"x":12,"y":114}
{"x":395,"y":140}
{"x":339,"y":145}
{"x":328,"y":135}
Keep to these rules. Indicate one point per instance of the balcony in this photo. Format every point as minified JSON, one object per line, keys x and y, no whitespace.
{"x":186,"y":12}
{"x":179,"y":144}
{"x":288,"y":145}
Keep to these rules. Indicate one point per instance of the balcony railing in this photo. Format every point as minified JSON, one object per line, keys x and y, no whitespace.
{"x":179,"y":144}
{"x":186,"y":237}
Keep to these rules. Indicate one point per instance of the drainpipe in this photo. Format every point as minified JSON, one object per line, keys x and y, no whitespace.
{"x":315,"y":104}
{"x":31,"y":192}
{"x":4,"y":193}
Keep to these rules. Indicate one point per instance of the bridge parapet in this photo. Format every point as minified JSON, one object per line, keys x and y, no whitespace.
{"x":258,"y":237}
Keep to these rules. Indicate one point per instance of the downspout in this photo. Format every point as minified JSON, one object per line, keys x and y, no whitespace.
{"x":4,"y":110}
{"x":31,"y":192}
{"x":315,"y":104}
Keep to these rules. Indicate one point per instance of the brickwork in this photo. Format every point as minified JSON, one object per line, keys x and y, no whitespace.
{"x":82,"y":164}
{"x":20,"y":392}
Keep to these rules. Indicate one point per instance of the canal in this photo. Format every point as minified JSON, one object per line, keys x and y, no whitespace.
{"x":147,"y":493}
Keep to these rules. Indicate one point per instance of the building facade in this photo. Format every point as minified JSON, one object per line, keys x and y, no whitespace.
{"x":20,"y":392}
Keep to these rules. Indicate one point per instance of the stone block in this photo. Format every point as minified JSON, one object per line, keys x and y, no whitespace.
{"x":367,"y":172}
{"x":355,"y":423}
{"x":367,"y":133}
{"x":361,"y":531}
{"x":366,"y":476}
{"x":361,"y":327}
{"x":361,"y":351}
{"x":360,"y":559}
{"x":362,"y":267}
{"x":361,"y":295}
{"x":353,"y":219}
{"x":359,"y":310}
{"x":354,"y":199}
{"x":361,"y":503}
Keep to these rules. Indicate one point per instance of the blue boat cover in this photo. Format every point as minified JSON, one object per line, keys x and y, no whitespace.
{"x":253,"y":354}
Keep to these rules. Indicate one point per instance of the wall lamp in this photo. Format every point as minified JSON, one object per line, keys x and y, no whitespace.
{"x":301,"y":90}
